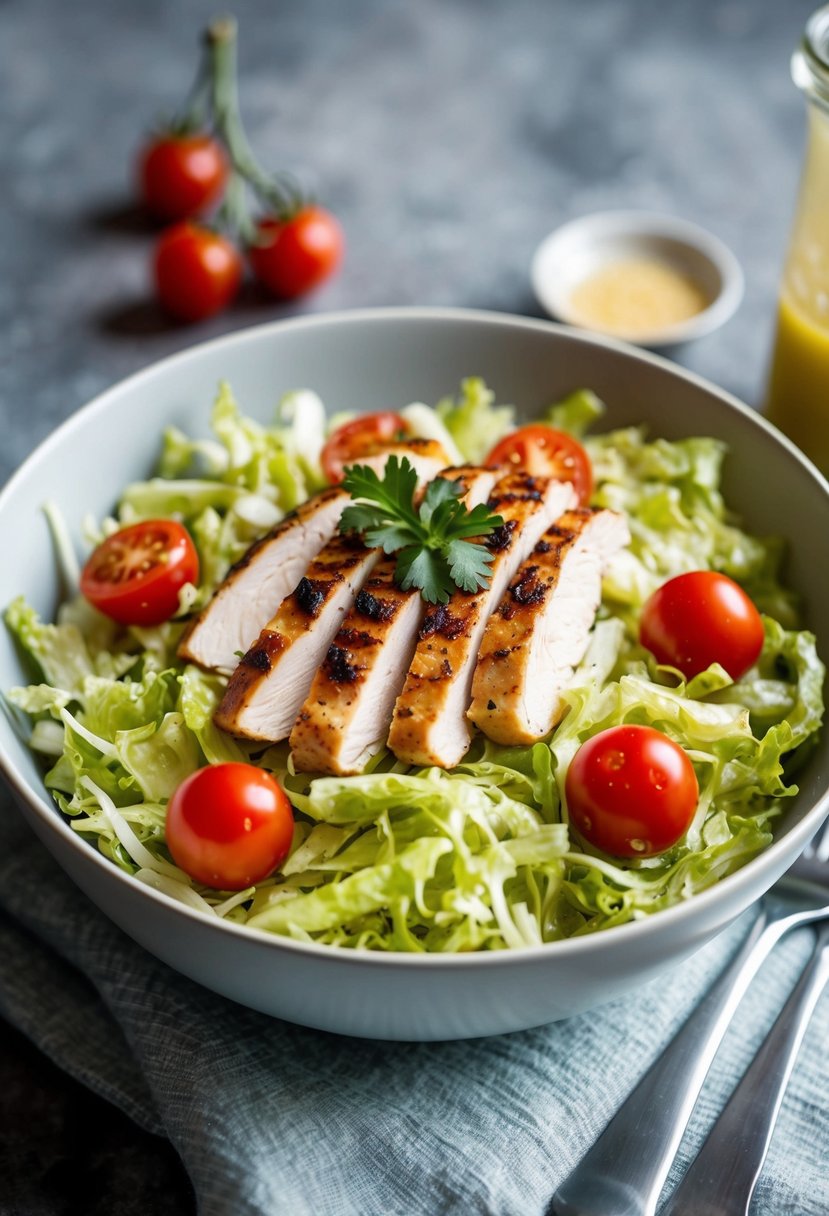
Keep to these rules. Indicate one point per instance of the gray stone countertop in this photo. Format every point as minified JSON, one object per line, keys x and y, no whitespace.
{"x":449,"y":136}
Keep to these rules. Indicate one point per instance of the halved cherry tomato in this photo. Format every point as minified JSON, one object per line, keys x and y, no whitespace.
{"x":135,"y":575}
{"x":229,"y":825}
{"x":181,"y":175}
{"x":293,"y":256}
{"x":545,"y":452}
{"x":197,"y":271}
{"x":701,"y":618}
{"x":362,"y":437}
{"x":631,"y":791}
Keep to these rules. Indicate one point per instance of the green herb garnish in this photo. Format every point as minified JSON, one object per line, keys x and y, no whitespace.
{"x":432,"y":541}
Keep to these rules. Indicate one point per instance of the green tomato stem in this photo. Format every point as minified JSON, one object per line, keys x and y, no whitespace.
{"x":279,"y":192}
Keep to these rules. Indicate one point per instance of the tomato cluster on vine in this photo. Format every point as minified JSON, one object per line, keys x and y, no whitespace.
{"x":202,"y":165}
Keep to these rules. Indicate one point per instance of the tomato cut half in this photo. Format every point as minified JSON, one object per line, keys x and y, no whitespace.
{"x":229,"y":825}
{"x":363,"y":436}
{"x":700,"y":618}
{"x":543,"y":451}
{"x":631,"y":791}
{"x":135,"y":575}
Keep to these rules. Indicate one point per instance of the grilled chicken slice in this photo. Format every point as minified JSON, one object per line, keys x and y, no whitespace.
{"x":427,"y":456}
{"x":430,"y":724}
{"x":266,"y":691}
{"x":346,"y":716}
{"x":540,"y":630}
{"x":255,"y":587}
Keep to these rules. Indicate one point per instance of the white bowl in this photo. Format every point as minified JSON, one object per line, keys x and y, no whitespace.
{"x":571,"y":253}
{"x":374,"y":360}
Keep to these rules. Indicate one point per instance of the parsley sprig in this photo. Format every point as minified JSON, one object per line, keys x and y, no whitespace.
{"x":433,"y":542}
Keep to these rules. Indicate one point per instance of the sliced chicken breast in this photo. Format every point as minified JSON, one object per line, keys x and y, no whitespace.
{"x":430,"y":725}
{"x":540,"y":630}
{"x":427,"y":456}
{"x":267,"y":689}
{"x":346,"y":717}
{"x":255,"y":587}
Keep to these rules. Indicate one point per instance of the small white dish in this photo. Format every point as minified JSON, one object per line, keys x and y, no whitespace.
{"x":580,"y":248}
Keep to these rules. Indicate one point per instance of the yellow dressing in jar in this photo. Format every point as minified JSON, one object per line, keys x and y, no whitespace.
{"x":798,"y":391}
{"x":636,"y":298}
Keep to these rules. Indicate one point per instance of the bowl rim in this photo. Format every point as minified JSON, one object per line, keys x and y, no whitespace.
{"x":733,"y":884}
{"x":631,"y":223}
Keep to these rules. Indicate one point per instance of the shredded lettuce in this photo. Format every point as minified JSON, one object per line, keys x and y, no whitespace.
{"x":230,"y":489}
{"x":473,"y":419}
{"x":477,"y":858}
{"x":576,"y":413}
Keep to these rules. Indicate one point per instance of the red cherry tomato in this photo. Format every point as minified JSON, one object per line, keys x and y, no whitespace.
{"x":545,"y":452}
{"x":362,"y":437}
{"x":180,"y":176}
{"x":701,"y":618}
{"x":294,"y":256}
{"x":135,"y":575}
{"x":229,"y":826}
{"x":631,"y":791}
{"x":197,"y":271}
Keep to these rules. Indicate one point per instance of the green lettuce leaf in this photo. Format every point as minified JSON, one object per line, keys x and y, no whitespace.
{"x":473,"y":420}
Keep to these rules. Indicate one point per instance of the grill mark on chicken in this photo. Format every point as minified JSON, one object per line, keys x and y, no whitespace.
{"x":441,"y":621}
{"x":370,"y":606}
{"x":528,"y":588}
{"x":261,"y":655}
{"x":310,"y":596}
{"x":500,"y":538}
{"x":338,"y":666}
{"x":355,"y":639}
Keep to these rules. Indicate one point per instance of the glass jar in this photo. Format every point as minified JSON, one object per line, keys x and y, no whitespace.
{"x":798,"y":391}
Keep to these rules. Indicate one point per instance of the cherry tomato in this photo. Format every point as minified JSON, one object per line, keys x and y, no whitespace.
{"x":701,"y":618}
{"x":362,"y":437}
{"x":293,"y":256}
{"x":134,"y":576}
{"x":545,"y":452}
{"x":197,"y":271}
{"x":631,"y":791}
{"x":180,"y":176}
{"x":229,"y":826}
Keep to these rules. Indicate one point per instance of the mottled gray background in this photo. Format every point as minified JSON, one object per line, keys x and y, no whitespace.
{"x":449,"y":136}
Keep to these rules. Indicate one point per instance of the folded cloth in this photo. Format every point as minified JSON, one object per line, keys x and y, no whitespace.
{"x":270,"y":1118}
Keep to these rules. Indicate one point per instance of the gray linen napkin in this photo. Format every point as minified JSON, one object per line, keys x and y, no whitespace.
{"x":273,"y":1119}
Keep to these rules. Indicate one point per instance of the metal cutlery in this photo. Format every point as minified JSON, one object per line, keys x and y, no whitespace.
{"x":721,"y":1179}
{"x":625,"y":1170}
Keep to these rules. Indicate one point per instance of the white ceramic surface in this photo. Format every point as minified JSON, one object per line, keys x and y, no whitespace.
{"x":373,"y":360}
{"x":569,"y":254}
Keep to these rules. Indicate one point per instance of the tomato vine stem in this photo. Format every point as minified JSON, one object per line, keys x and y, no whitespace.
{"x":279,"y":192}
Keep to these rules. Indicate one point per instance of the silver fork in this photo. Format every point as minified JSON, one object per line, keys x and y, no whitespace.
{"x":625,"y":1170}
{"x":722,"y":1177}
